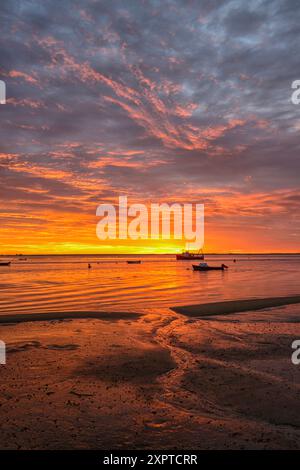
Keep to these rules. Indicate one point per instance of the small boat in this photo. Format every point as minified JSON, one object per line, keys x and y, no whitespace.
{"x":22,"y":259}
{"x":133,"y":261}
{"x":188,"y":255}
{"x":5,"y":263}
{"x":205,"y":267}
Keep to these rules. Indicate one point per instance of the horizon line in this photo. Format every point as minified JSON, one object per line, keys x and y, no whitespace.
{"x":151,"y":254}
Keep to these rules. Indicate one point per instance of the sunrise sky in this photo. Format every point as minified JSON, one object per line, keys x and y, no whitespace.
{"x":162,"y":101}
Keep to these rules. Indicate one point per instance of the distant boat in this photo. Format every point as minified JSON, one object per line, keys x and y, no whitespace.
{"x":133,"y":261}
{"x":205,"y":267}
{"x":189,"y":255}
{"x":5,"y":263}
{"x":22,"y":259}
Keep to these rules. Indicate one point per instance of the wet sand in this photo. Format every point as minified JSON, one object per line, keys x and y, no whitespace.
{"x":49,"y":316}
{"x":157,"y":379}
{"x":235,"y":306}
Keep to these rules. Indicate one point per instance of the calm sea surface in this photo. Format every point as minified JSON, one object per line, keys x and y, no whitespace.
{"x":64,"y":283}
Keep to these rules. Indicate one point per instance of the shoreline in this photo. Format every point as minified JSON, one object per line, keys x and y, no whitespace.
{"x":151,"y":382}
{"x":234,"y":306}
{"x":195,"y":310}
{"x":76,"y":315}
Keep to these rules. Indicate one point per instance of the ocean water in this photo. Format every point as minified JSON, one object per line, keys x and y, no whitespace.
{"x":64,"y":283}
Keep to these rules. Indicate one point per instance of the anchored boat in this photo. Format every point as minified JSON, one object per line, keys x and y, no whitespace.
{"x":189,"y":255}
{"x":205,"y":267}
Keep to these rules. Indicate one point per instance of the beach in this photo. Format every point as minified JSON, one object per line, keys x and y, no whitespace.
{"x":154,"y":378}
{"x":149,"y":241}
